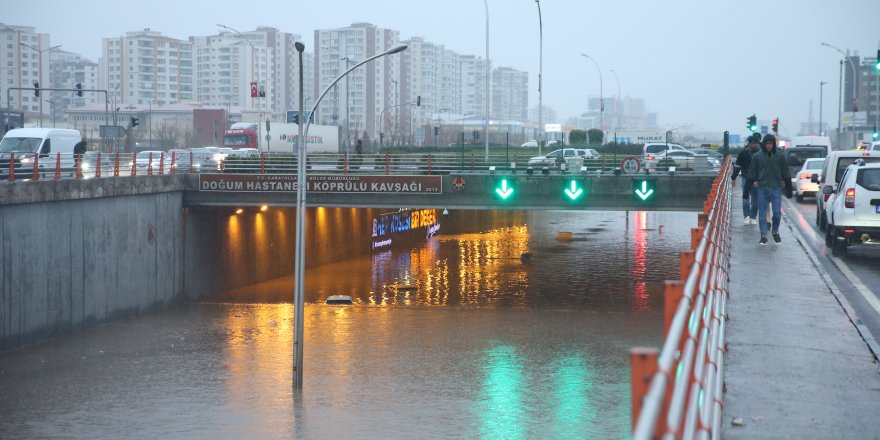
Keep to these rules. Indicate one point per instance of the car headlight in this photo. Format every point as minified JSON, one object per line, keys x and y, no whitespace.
{"x":85,"y":165}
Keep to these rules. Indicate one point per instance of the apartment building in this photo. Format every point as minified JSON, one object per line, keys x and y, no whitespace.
{"x":24,"y":60}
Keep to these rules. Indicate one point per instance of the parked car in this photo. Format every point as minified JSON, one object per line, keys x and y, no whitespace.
{"x":803,"y":183}
{"x":530,"y":144}
{"x":854,"y":215}
{"x":551,"y":157}
{"x":833,"y":168}
{"x":653,"y":148}
{"x":684,"y":160}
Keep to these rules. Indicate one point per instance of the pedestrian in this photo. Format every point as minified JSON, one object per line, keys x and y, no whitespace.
{"x":749,"y":192}
{"x":770,"y":174}
{"x":359,"y":148}
{"x":78,"y":150}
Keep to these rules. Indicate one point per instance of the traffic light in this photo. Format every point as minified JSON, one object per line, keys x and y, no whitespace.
{"x":134,"y":122}
{"x":267,"y":126}
{"x":776,"y":125}
{"x":877,"y":66}
{"x":876,"y":134}
{"x":753,"y":123}
{"x":79,"y":89}
{"x":419,"y":101}
{"x":254,"y":92}
{"x":37,"y":89}
{"x":262,"y":93}
{"x":436,"y":131}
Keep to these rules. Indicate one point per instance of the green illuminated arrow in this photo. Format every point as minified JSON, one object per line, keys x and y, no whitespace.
{"x":504,"y":192}
{"x":574,"y":192}
{"x":644,"y":193}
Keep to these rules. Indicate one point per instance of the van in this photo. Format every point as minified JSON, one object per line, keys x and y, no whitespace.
{"x":835,"y":165}
{"x":25,"y":144}
{"x":811,"y":141}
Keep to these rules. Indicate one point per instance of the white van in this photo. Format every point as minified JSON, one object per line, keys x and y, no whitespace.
{"x":811,"y":141}
{"x":27,"y":143}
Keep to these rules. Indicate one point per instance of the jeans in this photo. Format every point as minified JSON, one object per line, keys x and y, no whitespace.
{"x":772,"y":196}
{"x":750,"y":199}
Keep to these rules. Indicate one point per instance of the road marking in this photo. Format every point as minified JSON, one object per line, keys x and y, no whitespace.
{"x":860,"y":286}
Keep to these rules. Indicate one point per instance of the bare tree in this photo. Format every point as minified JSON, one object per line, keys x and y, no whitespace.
{"x":167,"y":135}
{"x":189,"y":136}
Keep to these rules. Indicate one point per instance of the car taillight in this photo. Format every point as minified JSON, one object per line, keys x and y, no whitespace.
{"x":849,"y":200}
{"x":805,"y":176}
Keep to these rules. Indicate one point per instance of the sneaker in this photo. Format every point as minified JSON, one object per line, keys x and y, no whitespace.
{"x":754,"y":221}
{"x":746,"y":221}
{"x":763,"y":240}
{"x":776,"y":238}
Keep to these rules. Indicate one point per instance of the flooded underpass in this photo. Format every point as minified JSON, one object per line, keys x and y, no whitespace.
{"x":453,"y":336}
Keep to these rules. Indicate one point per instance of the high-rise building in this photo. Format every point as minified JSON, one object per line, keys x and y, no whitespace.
{"x":146,"y":67}
{"x":226,"y":64}
{"x":431,"y":74}
{"x":473,"y":86}
{"x":66,"y":70}
{"x":365,"y":94}
{"x":24,"y":54}
{"x":510,"y":94}
{"x":860,"y":125}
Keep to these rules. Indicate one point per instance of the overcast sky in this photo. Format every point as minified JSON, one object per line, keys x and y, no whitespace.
{"x":706,"y":63}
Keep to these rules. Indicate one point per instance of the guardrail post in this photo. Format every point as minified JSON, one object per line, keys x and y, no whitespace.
{"x":11,"y":176}
{"x":161,"y":163}
{"x":133,"y":165}
{"x":429,"y":163}
{"x":223,"y":165}
{"x":98,"y":166}
{"x":696,"y":236}
{"x":345,"y":166}
{"x":150,"y":165}
{"x":171,"y":171}
{"x":58,"y":166}
{"x":116,"y":165}
{"x":702,"y":221}
{"x":673,"y":290}
{"x":77,"y":163}
{"x":643,"y":365}
{"x":685,"y":261}
{"x":262,"y":164}
{"x":36,"y":175}
{"x":387,"y":164}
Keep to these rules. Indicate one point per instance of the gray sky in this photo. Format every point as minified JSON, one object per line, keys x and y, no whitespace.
{"x":707,"y":63}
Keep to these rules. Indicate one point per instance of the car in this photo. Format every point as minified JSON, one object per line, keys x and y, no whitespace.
{"x":90,"y":164}
{"x":795,"y":157}
{"x":203,"y":159}
{"x":711,"y":153}
{"x":803,"y":178}
{"x":652,"y":148}
{"x":875,"y":146}
{"x":153,"y":160}
{"x":587,"y":153}
{"x":834,"y":166}
{"x":551,"y":157}
{"x":684,"y":159}
{"x":854,"y":214}
{"x":530,"y":144}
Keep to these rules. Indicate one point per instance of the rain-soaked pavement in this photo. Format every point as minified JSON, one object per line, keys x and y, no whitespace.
{"x":486,"y":346}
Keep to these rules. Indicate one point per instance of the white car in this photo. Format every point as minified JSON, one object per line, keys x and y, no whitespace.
{"x":153,"y":159}
{"x":530,"y":144}
{"x":804,"y":183}
{"x":550,"y":159}
{"x":832,"y":170}
{"x":684,"y":160}
{"x":854,"y":215}
{"x":653,"y":148}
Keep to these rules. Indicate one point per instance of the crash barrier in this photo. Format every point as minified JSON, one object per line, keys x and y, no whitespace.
{"x":677,"y":393}
{"x":95,"y":164}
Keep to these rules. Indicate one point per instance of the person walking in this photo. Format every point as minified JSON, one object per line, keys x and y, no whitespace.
{"x":769,"y":174}
{"x":749,"y":192}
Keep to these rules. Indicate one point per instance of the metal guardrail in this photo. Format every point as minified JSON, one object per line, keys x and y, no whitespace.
{"x":678,"y":393}
{"x":100,"y":165}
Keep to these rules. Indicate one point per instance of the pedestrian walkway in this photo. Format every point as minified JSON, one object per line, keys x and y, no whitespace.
{"x":796,"y":366}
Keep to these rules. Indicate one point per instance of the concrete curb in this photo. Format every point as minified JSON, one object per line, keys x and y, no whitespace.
{"x":866,"y":335}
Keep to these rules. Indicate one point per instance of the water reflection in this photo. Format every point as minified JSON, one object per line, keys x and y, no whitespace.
{"x":502,"y":413}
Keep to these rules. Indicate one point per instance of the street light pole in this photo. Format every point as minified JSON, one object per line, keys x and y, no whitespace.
{"x":821,"y":86}
{"x":40,"y":74}
{"x":488,"y":92}
{"x":601,"y":96}
{"x":617,"y":110}
{"x":253,"y":60}
{"x":301,"y":188}
{"x":540,"y":78}
{"x":853,"y":66}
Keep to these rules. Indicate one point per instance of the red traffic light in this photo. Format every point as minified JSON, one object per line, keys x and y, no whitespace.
{"x":254,"y":92}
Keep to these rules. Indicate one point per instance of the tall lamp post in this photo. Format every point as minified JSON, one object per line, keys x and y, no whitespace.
{"x":617,"y":110}
{"x":845,"y":57}
{"x":601,"y":96}
{"x":347,"y":97}
{"x":821,"y":86}
{"x":488,"y":92}
{"x":301,"y":187}
{"x":540,"y":78}
{"x":40,"y":69}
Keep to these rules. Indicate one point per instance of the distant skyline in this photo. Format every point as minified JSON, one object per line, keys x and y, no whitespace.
{"x":703,"y":64}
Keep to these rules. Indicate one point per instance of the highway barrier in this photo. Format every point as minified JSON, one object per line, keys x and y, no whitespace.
{"x":677,"y":392}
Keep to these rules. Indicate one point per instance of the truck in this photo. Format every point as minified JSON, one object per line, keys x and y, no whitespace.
{"x":281,"y":137}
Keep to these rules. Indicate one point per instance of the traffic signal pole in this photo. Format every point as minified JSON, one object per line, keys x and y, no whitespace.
{"x":79,"y":92}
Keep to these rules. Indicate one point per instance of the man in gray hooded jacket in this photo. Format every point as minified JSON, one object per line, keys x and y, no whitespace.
{"x":770,"y":174}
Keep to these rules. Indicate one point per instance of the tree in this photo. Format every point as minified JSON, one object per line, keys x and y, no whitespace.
{"x":596,"y":136}
{"x":577,"y":137}
{"x":166,"y":136}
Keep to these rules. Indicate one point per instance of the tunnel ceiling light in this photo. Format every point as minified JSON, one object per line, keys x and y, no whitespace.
{"x":239,"y":210}
{"x":264,"y":208}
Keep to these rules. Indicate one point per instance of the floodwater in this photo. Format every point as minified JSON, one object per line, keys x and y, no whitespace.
{"x":481,"y":346}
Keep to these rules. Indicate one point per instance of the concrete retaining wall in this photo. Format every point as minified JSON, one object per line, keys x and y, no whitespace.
{"x":80,"y":258}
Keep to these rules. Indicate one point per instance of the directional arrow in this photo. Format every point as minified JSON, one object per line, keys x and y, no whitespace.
{"x":574,"y":192}
{"x":504,"y":192}
{"x":644,"y":193}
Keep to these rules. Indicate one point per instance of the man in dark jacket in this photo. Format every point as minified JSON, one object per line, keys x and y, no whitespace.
{"x":749,"y":192}
{"x":769,"y":174}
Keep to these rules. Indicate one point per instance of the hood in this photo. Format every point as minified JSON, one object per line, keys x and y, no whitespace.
{"x":769,"y":138}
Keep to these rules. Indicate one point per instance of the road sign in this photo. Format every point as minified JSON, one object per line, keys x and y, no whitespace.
{"x":733,"y":139}
{"x":643,"y":189}
{"x":458,"y":183}
{"x":504,"y":188}
{"x":630,"y":165}
{"x":574,"y":190}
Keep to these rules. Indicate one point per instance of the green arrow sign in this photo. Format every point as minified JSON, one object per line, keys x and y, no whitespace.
{"x":644,"y":192}
{"x":504,"y":192}
{"x":574,"y":192}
